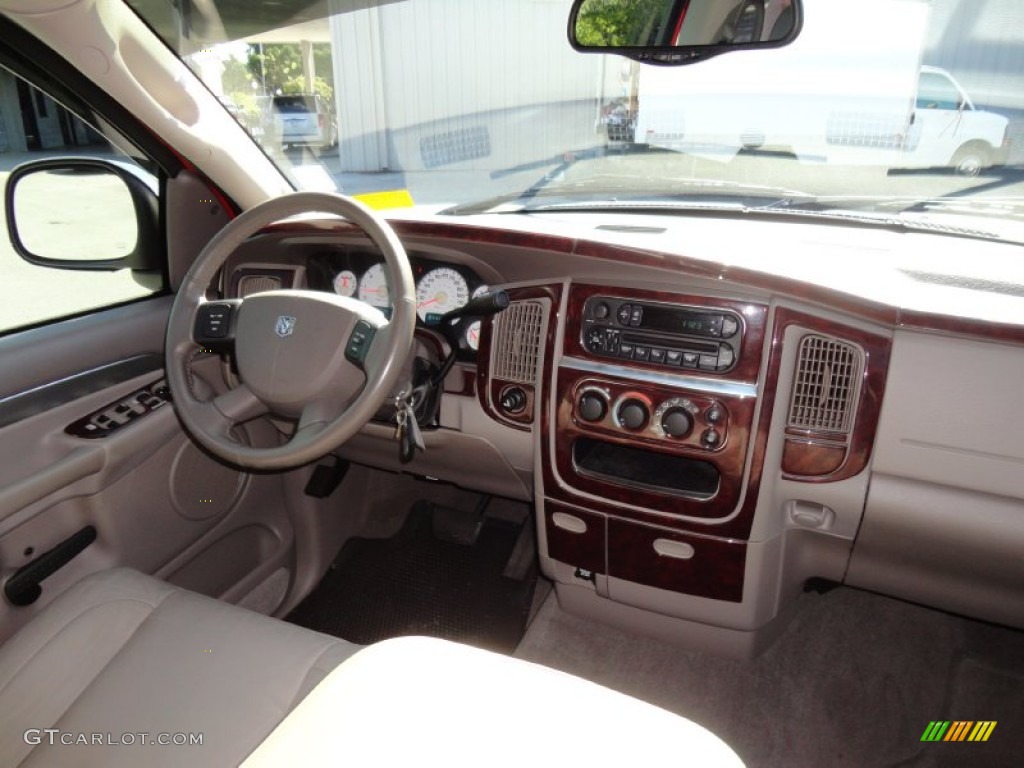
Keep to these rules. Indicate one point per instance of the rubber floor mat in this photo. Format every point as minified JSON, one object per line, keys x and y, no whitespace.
{"x":416,"y":584}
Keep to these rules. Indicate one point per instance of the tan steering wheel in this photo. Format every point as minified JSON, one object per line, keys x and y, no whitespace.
{"x":325,"y":360}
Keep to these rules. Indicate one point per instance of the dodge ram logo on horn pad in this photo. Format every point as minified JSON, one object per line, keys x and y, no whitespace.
{"x":285,"y":326}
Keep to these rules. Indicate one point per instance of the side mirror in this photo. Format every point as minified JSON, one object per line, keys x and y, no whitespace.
{"x":83,"y":213}
{"x":681,"y":31}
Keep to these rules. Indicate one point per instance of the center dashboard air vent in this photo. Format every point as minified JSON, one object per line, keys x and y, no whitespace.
{"x":516,"y":346}
{"x":826,"y":385}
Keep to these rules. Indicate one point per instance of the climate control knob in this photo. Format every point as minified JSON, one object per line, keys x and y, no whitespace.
{"x":676,"y":422}
{"x":592,"y":406}
{"x":632,"y":414}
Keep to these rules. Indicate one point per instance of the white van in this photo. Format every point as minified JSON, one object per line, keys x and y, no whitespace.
{"x":893,"y":113}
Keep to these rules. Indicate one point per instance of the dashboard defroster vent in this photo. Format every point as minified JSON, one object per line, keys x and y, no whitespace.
{"x":826,"y":386}
{"x":516,"y":347}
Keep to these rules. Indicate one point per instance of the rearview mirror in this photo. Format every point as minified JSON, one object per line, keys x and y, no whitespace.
{"x":681,"y":31}
{"x":83,"y":214}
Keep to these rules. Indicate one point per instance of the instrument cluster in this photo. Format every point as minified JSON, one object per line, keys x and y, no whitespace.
{"x":441,"y":287}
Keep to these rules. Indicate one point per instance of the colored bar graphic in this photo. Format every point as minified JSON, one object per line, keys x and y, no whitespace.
{"x":935,"y":731}
{"x":982,"y":730}
{"x":958,"y":730}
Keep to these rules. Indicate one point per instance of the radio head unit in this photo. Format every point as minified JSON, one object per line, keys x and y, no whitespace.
{"x":667,"y":335}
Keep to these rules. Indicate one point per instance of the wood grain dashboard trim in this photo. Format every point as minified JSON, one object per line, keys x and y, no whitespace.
{"x":813,"y":461}
{"x":488,"y":388}
{"x":866,"y":309}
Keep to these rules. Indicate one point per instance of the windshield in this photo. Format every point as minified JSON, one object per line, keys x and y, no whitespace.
{"x":894,"y":108}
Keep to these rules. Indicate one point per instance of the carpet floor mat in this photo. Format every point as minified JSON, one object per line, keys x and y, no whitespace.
{"x":417,"y":584}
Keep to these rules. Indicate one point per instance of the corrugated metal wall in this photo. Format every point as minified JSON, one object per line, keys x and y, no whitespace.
{"x":420,"y":87}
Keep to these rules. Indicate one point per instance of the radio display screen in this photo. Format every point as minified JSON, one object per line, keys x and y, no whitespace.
{"x":681,"y":321}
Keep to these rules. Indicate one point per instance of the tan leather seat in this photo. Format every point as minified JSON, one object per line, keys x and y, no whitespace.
{"x":121,"y":654}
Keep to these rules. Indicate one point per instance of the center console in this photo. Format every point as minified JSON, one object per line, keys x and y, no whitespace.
{"x":650,"y":421}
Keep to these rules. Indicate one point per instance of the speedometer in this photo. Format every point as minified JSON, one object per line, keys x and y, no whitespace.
{"x":373,"y":288}
{"x":441,"y":290}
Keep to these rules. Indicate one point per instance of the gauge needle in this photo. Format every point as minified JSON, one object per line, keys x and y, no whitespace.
{"x":428,"y":301}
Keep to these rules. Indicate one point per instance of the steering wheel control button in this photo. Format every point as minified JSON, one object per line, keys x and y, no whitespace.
{"x":513,"y":400}
{"x":632,"y":414}
{"x":212,"y":321}
{"x":593,"y":406}
{"x":359,"y":342}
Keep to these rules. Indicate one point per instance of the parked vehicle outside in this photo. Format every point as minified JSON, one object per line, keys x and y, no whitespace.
{"x":305,"y":119}
{"x":890,"y":112}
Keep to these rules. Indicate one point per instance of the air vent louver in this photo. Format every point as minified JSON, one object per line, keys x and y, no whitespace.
{"x":251,"y":284}
{"x":516,"y":346}
{"x":825,"y":388}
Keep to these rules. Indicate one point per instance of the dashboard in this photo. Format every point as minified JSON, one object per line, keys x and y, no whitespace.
{"x":700,"y":440}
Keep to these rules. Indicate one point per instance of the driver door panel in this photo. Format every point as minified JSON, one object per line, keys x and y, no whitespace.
{"x":155,"y":500}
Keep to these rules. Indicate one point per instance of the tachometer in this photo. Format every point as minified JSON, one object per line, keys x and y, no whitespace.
{"x":373,"y":288}
{"x":345,"y":283}
{"x":441,"y":290}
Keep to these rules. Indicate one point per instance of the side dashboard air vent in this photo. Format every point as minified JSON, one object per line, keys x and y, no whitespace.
{"x":516,"y":345}
{"x":250,"y":284}
{"x":826,"y":385}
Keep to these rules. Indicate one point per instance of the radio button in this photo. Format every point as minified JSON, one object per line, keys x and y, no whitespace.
{"x":657,"y":355}
{"x":601,"y":310}
{"x":642,"y":353}
{"x":626,"y":351}
{"x":624,"y":313}
{"x":673,"y":357}
{"x":595,"y":340}
{"x":729,"y":326}
{"x":690,"y":359}
{"x":636,"y":316}
{"x":708,"y":362}
{"x":725,"y":356}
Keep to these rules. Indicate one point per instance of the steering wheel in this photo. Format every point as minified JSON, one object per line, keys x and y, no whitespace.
{"x":327,"y":361}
